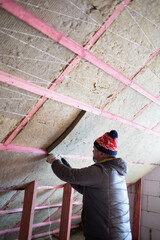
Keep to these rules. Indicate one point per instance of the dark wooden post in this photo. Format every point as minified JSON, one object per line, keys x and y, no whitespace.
{"x":66,"y":214}
{"x":28,"y":211}
{"x":137,"y":210}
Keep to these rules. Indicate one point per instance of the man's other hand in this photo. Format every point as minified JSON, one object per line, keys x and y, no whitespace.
{"x":51,"y":158}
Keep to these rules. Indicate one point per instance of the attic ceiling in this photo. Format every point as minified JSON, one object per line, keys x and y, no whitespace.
{"x":70,"y":71}
{"x":100,"y":60}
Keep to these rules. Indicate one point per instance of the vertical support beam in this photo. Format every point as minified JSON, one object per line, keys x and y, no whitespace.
{"x":66,"y":214}
{"x":28,"y":211}
{"x":137,"y":210}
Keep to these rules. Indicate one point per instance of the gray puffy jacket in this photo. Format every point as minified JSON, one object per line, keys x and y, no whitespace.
{"x":105,"y":214}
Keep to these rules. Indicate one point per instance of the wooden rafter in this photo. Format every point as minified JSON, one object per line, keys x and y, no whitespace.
{"x":54,"y":34}
{"x":68,"y":69}
{"x":110,"y":20}
{"x":31,"y":87}
{"x":15,"y":148}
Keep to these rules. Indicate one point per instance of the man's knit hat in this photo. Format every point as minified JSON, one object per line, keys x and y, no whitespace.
{"x":108,"y":143}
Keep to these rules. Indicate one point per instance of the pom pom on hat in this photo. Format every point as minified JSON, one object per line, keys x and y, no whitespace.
{"x":108,"y":143}
{"x":113,"y":134}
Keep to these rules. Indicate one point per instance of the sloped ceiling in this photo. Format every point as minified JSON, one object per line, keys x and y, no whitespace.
{"x":124,"y":96}
{"x":130,"y":45}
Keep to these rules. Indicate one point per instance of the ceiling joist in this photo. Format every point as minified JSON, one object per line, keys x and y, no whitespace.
{"x":51,"y":32}
{"x":68,"y":69}
{"x":15,"y":148}
{"x":25,"y":85}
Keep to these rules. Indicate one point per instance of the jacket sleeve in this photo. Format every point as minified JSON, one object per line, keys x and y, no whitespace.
{"x":89,"y":176}
{"x":78,"y":188}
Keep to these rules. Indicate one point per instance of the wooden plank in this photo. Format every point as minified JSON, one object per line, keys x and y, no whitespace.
{"x":18,"y":210}
{"x":28,"y":211}
{"x":66,"y":214}
{"x":37,"y":225}
{"x":15,"y":148}
{"x":137,"y":210}
{"x":31,"y":87}
{"x":40,"y":235}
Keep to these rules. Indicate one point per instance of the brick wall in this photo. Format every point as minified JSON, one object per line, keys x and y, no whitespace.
{"x":150,"y":209}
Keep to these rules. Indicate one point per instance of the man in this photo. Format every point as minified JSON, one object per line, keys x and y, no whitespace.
{"x":105,"y":214}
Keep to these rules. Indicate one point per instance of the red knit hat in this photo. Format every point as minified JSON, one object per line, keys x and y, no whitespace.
{"x":108,"y":143}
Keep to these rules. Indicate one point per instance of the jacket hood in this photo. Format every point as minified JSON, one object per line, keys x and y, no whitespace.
{"x":119,"y":164}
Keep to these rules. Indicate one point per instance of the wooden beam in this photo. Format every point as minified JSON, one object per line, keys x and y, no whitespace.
{"x":40,"y":235}
{"x":18,"y":210}
{"x":37,"y":23}
{"x":66,"y":214}
{"x":137,"y":210}
{"x":28,"y":211}
{"x":31,"y":87}
{"x":15,"y":148}
{"x":37,"y":225}
{"x":68,"y":69}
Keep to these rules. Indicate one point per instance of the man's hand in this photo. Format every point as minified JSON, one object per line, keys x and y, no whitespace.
{"x":51,"y":158}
